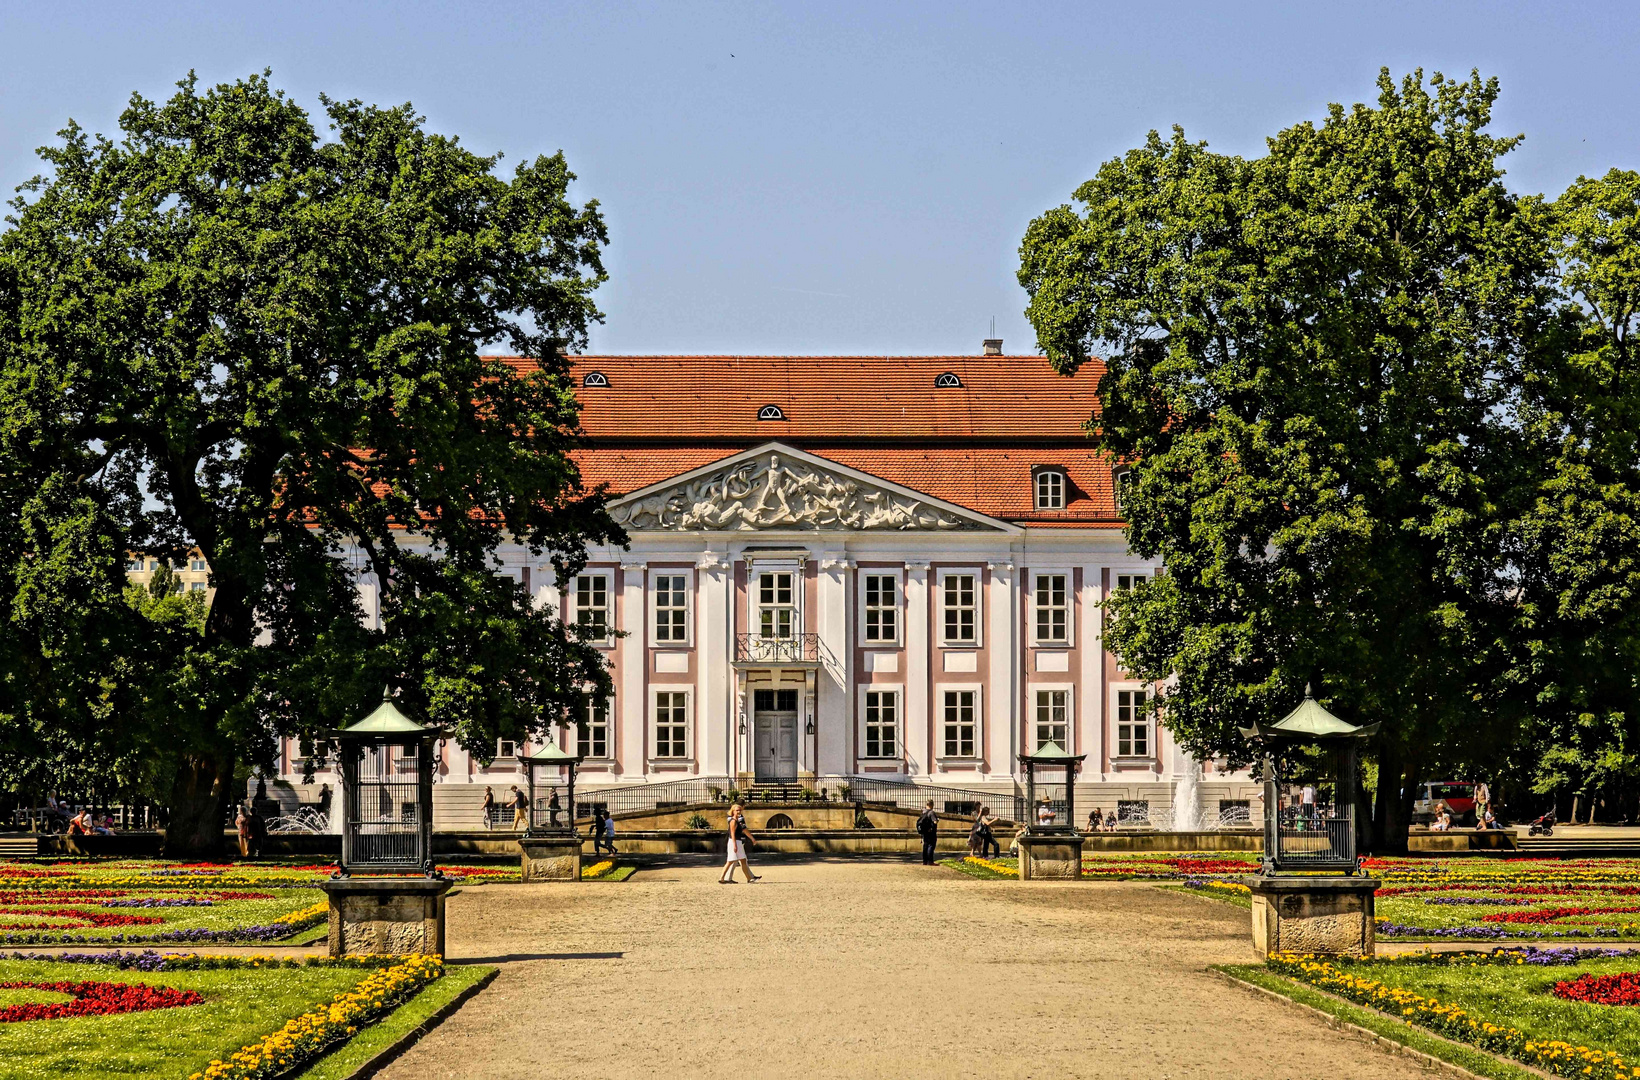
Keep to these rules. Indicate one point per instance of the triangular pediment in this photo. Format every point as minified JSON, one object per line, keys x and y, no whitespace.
{"x":776,"y":488}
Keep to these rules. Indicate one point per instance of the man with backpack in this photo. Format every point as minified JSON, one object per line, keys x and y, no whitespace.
{"x":928,"y":827}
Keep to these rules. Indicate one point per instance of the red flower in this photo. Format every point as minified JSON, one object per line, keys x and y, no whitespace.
{"x":1544,"y":915}
{"x":1620,"y":989}
{"x":95,"y":999}
{"x":88,"y":918}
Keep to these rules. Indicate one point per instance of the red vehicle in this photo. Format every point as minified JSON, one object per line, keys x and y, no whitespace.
{"x":1459,"y":796}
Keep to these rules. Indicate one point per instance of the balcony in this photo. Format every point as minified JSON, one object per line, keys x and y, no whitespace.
{"x":796,"y":650}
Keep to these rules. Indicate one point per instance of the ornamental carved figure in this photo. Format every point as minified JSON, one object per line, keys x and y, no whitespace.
{"x":778,"y":493}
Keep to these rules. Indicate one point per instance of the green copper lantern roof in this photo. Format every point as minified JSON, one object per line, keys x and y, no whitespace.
{"x":387,"y":721}
{"x":552,"y":755}
{"x":1309,"y":723}
{"x":1052,"y":754}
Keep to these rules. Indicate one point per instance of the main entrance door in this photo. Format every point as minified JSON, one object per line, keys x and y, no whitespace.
{"x":774,"y":734}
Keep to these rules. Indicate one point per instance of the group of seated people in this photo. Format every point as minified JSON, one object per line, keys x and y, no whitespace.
{"x":1098,"y":823}
{"x":1484,"y":818}
{"x":84,"y":822}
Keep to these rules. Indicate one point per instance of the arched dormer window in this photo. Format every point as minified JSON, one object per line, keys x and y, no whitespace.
{"x":1050,"y":489}
{"x":595,"y":378}
{"x":770,"y":412}
{"x":1121,"y":480}
{"x":947,"y":381}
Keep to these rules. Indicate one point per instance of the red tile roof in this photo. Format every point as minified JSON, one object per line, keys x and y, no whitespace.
{"x":876,"y":397}
{"x":973,"y":445}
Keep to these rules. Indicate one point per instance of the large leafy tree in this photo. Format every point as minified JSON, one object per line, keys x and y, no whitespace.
{"x":1580,"y":537}
{"x":1317,"y":364}
{"x":225,"y":331}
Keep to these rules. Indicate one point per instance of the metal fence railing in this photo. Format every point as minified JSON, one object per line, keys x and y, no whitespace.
{"x":959,"y":802}
{"x":1315,"y":837}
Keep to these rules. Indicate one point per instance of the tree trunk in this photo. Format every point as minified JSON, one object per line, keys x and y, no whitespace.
{"x":200,"y":797}
{"x":1392,"y":814}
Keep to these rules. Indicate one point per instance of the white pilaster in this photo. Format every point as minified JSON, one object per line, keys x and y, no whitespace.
{"x":916,"y":669}
{"x":1090,"y":710}
{"x":713,"y":722}
{"x":632,"y":654}
{"x":1002,"y":691}
{"x":833,"y":709}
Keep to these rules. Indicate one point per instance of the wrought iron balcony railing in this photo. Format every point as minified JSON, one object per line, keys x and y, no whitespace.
{"x":795,"y":649}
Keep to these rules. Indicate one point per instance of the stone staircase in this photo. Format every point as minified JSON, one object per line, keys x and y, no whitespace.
{"x":1570,"y":845}
{"x":19,"y":846}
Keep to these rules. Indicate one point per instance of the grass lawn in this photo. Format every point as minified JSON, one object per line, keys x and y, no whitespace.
{"x":345,"y":1059}
{"x":241,"y":1006}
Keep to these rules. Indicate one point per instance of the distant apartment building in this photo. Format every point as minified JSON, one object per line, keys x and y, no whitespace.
{"x":193,"y":574}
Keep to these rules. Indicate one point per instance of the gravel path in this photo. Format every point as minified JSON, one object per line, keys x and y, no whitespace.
{"x":865,"y":969}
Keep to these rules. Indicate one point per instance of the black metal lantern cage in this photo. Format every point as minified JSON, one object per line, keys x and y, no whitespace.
{"x":388,"y":762}
{"x":552,"y":804}
{"x":1061,"y":799}
{"x":1317,"y":837}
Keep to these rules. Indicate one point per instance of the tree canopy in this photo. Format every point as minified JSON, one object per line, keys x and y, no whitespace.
{"x":1347,"y":375}
{"x":227,"y":332}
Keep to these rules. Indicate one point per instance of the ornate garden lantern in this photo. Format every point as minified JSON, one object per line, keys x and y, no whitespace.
{"x":544,"y":816}
{"x":1050,"y":849}
{"x":1313,"y":838}
{"x":387,"y":792}
{"x":1317,"y":912}
{"x":387,"y":831}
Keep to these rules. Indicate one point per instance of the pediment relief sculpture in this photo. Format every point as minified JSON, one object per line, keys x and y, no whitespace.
{"x":776,"y":492}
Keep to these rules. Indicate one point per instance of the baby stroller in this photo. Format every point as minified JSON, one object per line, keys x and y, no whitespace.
{"x":1543,"y":826}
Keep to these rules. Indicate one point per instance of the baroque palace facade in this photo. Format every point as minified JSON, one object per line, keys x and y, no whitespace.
{"x":849,"y":567}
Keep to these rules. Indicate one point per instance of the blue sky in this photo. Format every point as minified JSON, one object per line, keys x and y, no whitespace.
{"x":834,"y":178}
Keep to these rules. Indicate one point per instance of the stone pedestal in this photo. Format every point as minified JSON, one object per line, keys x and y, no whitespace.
{"x":1330,"y":916}
{"x":550,"y":858}
{"x":1050,"y":856}
{"x":386,"y":916}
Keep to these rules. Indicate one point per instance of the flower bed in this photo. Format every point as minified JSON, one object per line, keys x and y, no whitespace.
{"x":137,"y":901}
{"x":1620,"y":989}
{"x":93,"y":999}
{"x":186,"y":1012}
{"x":1493,"y":899}
{"x":1383,"y":985}
{"x":305,"y":1037}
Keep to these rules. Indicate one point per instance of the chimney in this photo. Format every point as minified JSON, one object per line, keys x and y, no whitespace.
{"x":993,"y":346}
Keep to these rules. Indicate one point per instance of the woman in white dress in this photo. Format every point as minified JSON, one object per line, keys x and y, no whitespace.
{"x":739,"y":837}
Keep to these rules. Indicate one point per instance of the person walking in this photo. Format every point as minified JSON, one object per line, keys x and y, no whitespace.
{"x":489,"y":808}
{"x":976,"y":834}
{"x":258,"y":832}
{"x":736,"y":850}
{"x":1306,"y":799}
{"x":989,"y":847}
{"x":520,"y":804}
{"x":552,"y":809}
{"x":928,"y":827}
{"x":609,"y":834}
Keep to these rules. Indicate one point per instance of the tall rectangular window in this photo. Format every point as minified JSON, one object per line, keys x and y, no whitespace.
{"x":595,"y":735}
{"x":671,"y":725}
{"x":776,"y":604}
{"x":592,"y":606}
{"x":882,"y":608}
{"x":960,"y":612}
{"x":1132,"y":725}
{"x":882,"y":723}
{"x":958,"y":730}
{"x":1051,"y":719}
{"x":1052,"y":609}
{"x":671,"y":607}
